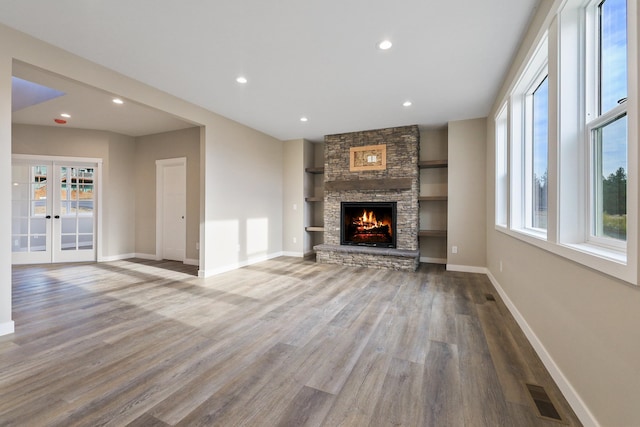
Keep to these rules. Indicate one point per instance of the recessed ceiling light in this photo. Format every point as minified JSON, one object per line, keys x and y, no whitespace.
{"x":304,"y":119}
{"x":65,"y":115}
{"x":118,"y":101}
{"x":242,"y":80}
{"x":385,"y":44}
{"x":406,"y":104}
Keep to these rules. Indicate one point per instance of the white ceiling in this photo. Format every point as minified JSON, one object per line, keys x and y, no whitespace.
{"x":88,"y":107}
{"x":302,"y":58}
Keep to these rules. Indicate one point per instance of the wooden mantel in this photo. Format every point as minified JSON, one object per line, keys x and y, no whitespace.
{"x":369,"y":184}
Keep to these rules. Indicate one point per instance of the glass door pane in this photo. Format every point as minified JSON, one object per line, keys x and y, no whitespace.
{"x":75,"y":228}
{"x":31,"y":218}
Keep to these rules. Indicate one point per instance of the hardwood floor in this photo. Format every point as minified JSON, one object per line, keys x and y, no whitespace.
{"x":286,"y":342}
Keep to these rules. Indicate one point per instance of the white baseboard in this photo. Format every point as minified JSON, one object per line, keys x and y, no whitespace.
{"x":150,"y":257}
{"x":235,"y":266}
{"x":432,"y":260}
{"x":116,"y":257}
{"x":573,"y":398}
{"x":7,"y":328}
{"x":467,"y":269}
{"x":294,"y":254}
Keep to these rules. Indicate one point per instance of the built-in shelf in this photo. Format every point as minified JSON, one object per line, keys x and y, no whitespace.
{"x":425,"y":164}
{"x":432,"y":233}
{"x":315,"y":169}
{"x":432,"y":198}
{"x":314,"y":199}
{"x":313,"y":228}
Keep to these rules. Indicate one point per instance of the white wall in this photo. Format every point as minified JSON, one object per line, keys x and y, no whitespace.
{"x":467,"y":195}
{"x":585,"y":325}
{"x":243,"y":196}
{"x":241,"y":169}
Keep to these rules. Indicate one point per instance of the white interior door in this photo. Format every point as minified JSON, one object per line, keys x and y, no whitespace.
{"x":171,"y":209}
{"x":53,"y":211}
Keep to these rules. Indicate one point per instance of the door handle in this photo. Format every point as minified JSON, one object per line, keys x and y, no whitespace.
{"x":48,"y":217}
{"x":57,"y":217}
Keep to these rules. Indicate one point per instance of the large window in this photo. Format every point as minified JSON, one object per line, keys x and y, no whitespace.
{"x":608,"y":128}
{"x":566,"y":139}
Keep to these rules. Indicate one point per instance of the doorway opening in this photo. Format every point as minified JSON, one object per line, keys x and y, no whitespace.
{"x":54,"y":207}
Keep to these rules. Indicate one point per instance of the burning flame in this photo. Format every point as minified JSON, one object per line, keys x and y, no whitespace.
{"x":368,"y":220}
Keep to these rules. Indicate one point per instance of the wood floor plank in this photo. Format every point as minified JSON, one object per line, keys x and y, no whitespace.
{"x":511,"y":367}
{"x":484,"y":402}
{"x":308,"y":408}
{"x":146,"y":420}
{"x":232,"y":397}
{"x":357,"y":400}
{"x":283,"y":342}
{"x":401,"y":400}
{"x":442,"y":389}
{"x":331,"y":372}
{"x":443,"y":319}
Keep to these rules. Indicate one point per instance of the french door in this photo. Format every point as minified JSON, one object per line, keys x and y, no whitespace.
{"x":53,"y":211}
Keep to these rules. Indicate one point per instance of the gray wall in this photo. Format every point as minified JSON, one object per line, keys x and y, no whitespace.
{"x":467,"y":195}
{"x":293,"y":194}
{"x":148,"y":149}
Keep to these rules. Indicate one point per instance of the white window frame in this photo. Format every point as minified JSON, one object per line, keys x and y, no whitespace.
{"x":521,"y":143}
{"x":605,"y":119}
{"x":502,"y":167}
{"x":596,"y":120}
{"x":528,"y":158}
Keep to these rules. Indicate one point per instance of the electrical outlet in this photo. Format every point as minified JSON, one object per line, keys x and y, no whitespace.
{"x":295,"y":240}
{"x":454,"y":249}
{"x":197,"y":246}
{"x":295,"y":207}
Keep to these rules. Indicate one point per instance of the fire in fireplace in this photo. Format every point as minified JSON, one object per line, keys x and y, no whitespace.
{"x":368,"y":224}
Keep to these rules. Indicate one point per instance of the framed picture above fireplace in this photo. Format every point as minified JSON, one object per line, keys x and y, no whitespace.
{"x":368,"y":158}
{"x":368,"y":224}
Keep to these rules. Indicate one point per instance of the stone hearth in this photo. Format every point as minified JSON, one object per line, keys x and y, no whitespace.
{"x":398,"y":182}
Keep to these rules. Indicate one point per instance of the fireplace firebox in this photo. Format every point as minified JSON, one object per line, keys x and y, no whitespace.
{"x":368,"y":224}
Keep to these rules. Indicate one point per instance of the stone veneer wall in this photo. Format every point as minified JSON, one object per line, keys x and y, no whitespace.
{"x":402,"y":150}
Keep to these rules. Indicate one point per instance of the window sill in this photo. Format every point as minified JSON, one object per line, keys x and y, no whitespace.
{"x":611,"y":262}
{"x":599,"y":251}
{"x":528,"y":234}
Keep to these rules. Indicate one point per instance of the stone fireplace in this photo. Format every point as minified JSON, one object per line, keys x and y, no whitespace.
{"x":396,"y":184}
{"x":371,"y":224}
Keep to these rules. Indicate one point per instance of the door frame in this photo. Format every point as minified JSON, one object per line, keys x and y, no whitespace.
{"x":160,"y":165}
{"x":97,"y":187}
